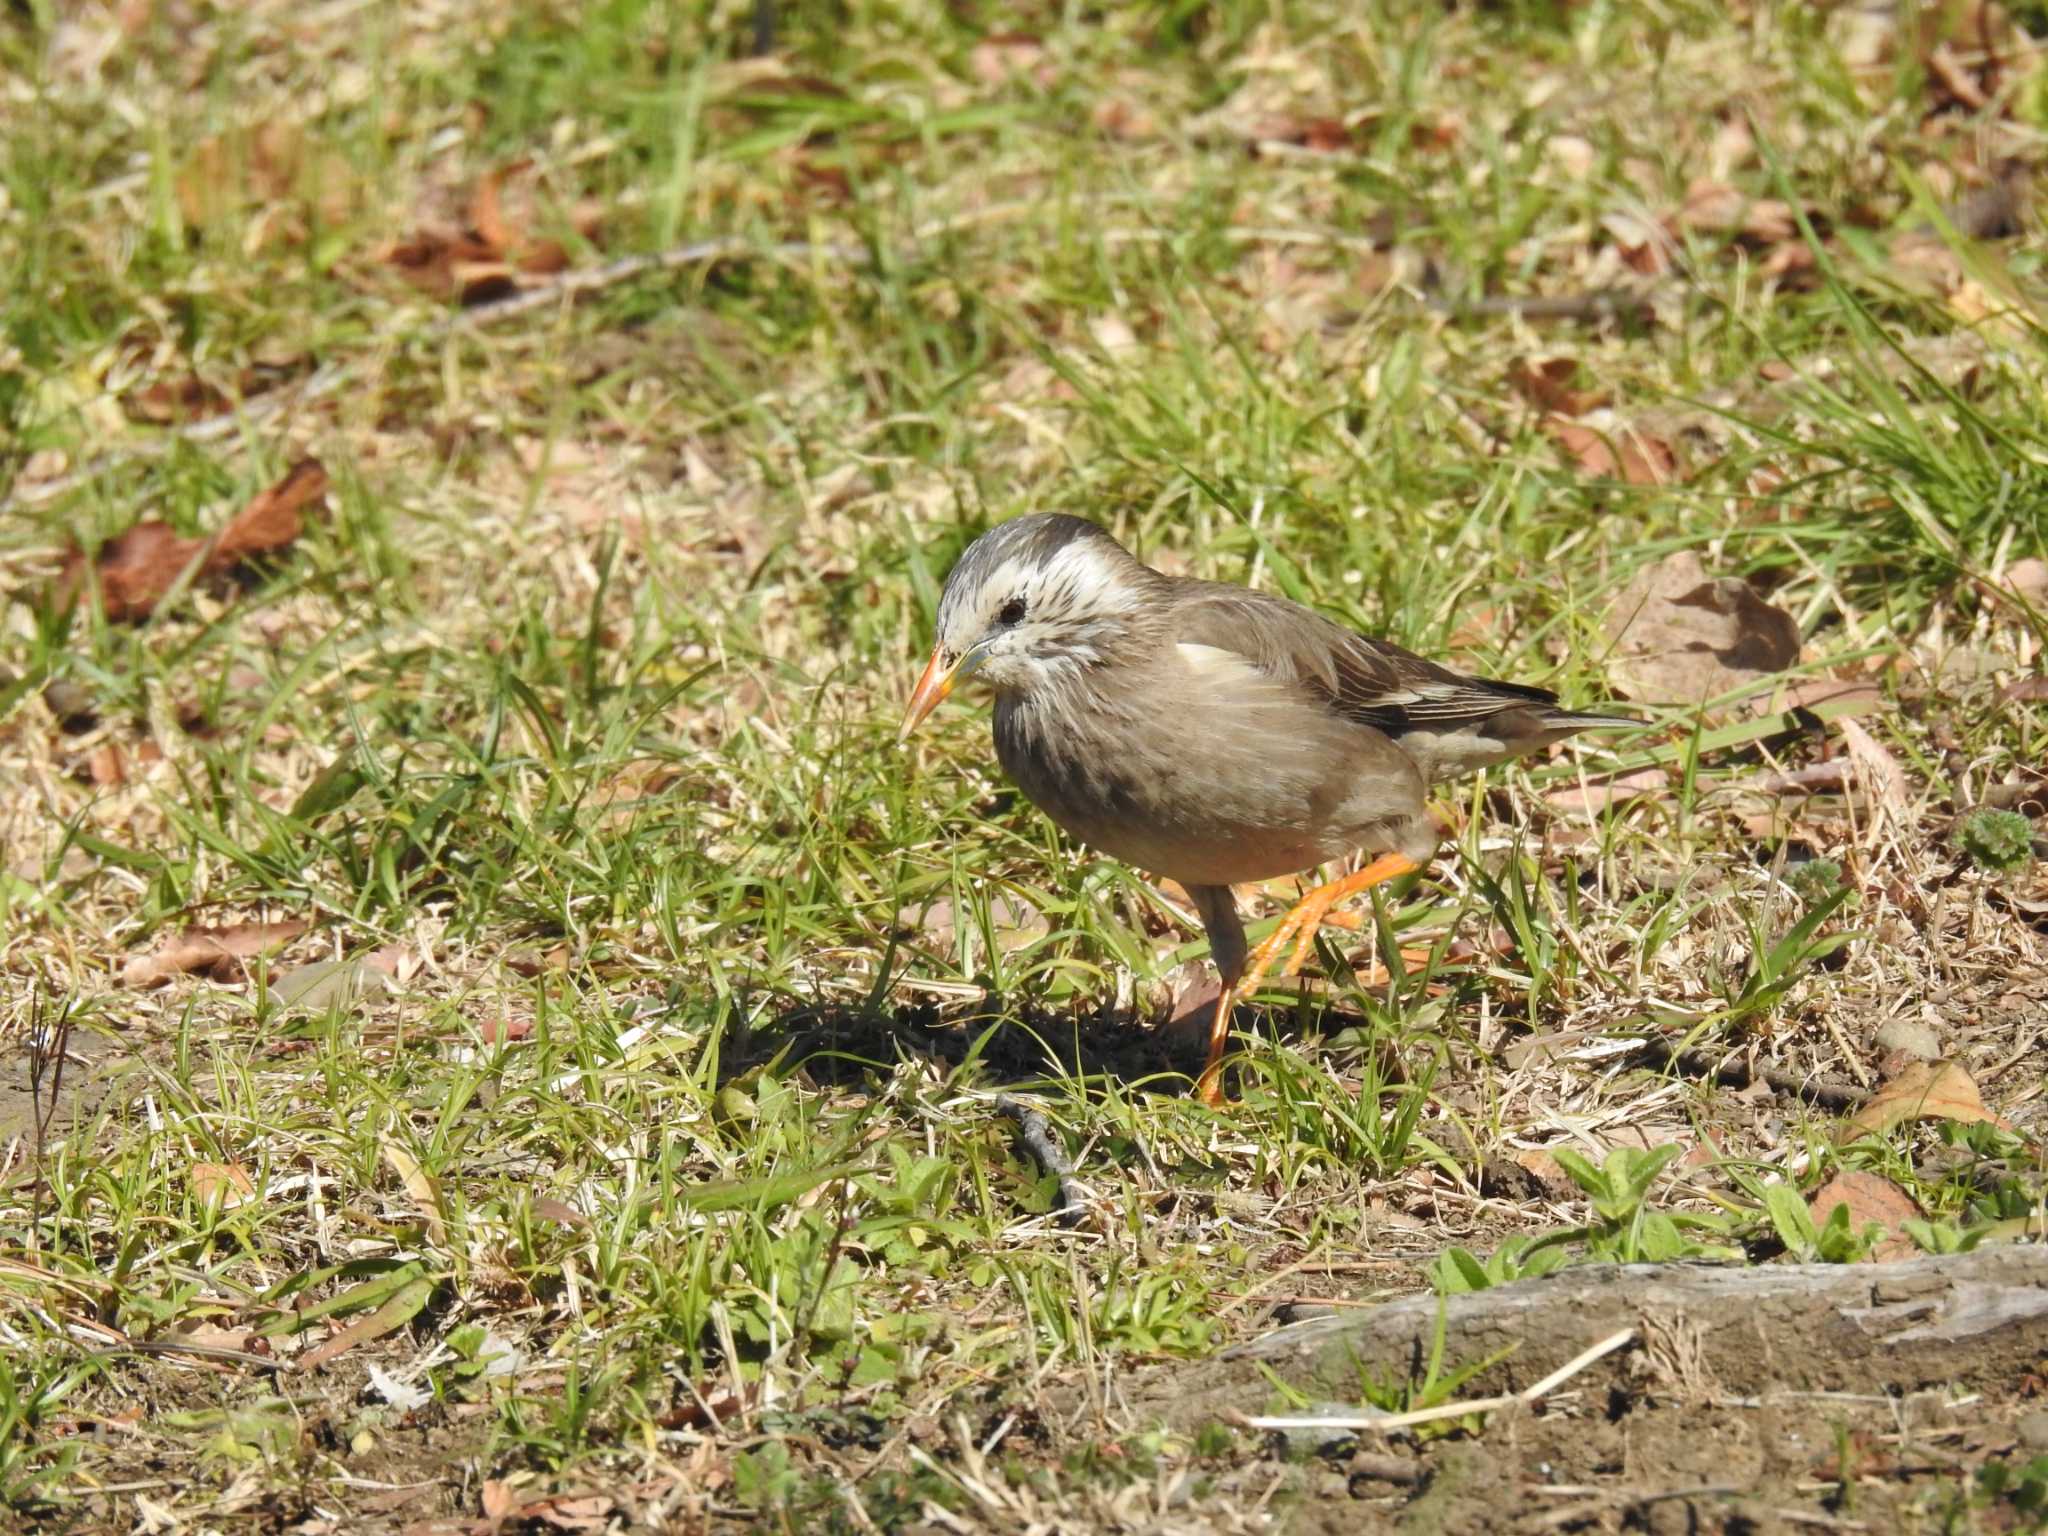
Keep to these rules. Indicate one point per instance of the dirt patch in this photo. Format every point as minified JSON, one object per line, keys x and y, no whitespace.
{"x":1749,"y":1399}
{"x":56,"y":1102}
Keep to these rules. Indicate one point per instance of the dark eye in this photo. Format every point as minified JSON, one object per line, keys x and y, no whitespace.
{"x":1013,"y":612}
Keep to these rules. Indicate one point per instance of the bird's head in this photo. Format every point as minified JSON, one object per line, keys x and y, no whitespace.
{"x":1029,"y":604}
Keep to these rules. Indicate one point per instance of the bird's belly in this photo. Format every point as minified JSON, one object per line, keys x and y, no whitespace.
{"x":1236,"y":856}
{"x":1206,"y":802}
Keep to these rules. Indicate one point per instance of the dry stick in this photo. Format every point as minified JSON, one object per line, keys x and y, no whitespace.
{"x":1037,"y":1138}
{"x":1543,"y":1388}
{"x":1386,"y":1469}
{"x":566,"y":287}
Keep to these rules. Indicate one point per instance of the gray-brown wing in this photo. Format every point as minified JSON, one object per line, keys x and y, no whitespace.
{"x":1374,"y":682}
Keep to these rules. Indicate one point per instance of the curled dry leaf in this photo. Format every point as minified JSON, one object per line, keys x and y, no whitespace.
{"x":227,"y":1183}
{"x":1623,"y":454}
{"x":137,"y":569}
{"x":106,"y":767}
{"x":483,"y":262}
{"x":1016,"y":921}
{"x":1002,"y":55}
{"x":1679,"y":636}
{"x":1926,"y":1090}
{"x":1870,"y":1198}
{"x":211,"y":951}
{"x":1551,"y":384}
{"x":1876,"y":769}
{"x":1716,"y":208}
{"x":2026,"y":580}
{"x":189,"y":398}
{"x":421,"y":1188}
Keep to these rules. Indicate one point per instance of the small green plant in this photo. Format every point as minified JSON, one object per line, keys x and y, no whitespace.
{"x":1435,"y":1387}
{"x":1943,"y":1236}
{"x":1775,"y":964}
{"x":29,"y":1468}
{"x":1624,"y":1230}
{"x":1834,"y":1241}
{"x":2000,"y":841}
{"x":1814,"y":880}
{"x":2024,"y":1487}
{"x":1458,"y":1270}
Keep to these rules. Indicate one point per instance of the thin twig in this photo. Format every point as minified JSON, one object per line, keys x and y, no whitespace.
{"x":1037,"y":1138}
{"x":49,"y":1042}
{"x":1557,"y":1378}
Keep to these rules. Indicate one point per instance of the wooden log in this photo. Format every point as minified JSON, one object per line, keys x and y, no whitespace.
{"x":1967,"y":1318}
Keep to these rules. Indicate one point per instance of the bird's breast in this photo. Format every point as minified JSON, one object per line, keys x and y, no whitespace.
{"x":1202,"y":784}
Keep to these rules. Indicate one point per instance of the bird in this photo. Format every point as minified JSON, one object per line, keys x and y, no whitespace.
{"x":1213,"y":734}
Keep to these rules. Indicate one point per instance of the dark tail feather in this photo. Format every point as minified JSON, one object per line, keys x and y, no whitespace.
{"x":1582,"y":720}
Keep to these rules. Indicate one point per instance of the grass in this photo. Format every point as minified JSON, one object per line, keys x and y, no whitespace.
{"x":665,"y":1163}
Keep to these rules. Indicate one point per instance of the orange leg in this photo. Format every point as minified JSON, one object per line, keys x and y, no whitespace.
{"x":1209,"y":1086}
{"x":1300,"y":926}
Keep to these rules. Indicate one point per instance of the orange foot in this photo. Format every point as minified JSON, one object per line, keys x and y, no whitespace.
{"x":1300,"y":926}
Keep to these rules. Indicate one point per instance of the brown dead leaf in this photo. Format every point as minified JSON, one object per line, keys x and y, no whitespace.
{"x":1625,"y":454}
{"x":500,"y":1500}
{"x":204,"y":1338}
{"x":269,"y":167}
{"x":421,"y":1188}
{"x":484,"y":261}
{"x":401,"y":962}
{"x":189,"y":398}
{"x":1876,"y":769}
{"x":1870,"y":1198}
{"x":1829,"y":697}
{"x":105,"y":766}
{"x":1679,"y":636}
{"x":219,"y":952}
{"x":1324,"y":135}
{"x":1926,"y":1090}
{"x":137,"y":569}
{"x":273,"y":520}
{"x":1591,"y":798}
{"x":1002,"y":56}
{"x":2026,"y":580}
{"x":533,"y":962}
{"x":1550,"y":384}
{"x":1714,"y":207}
{"x":1125,"y":118}
{"x":1016,"y":922}
{"x":2026,"y":690}
{"x":563,"y":1214}
{"x":229,"y":1183}
{"x":581,"y":1512}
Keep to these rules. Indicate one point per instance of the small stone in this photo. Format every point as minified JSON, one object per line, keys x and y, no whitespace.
{"x":72,"y":704}
{"x":2033,"y":1430}
{"x":330,"y":985}
{"x":1911,"y":1036}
